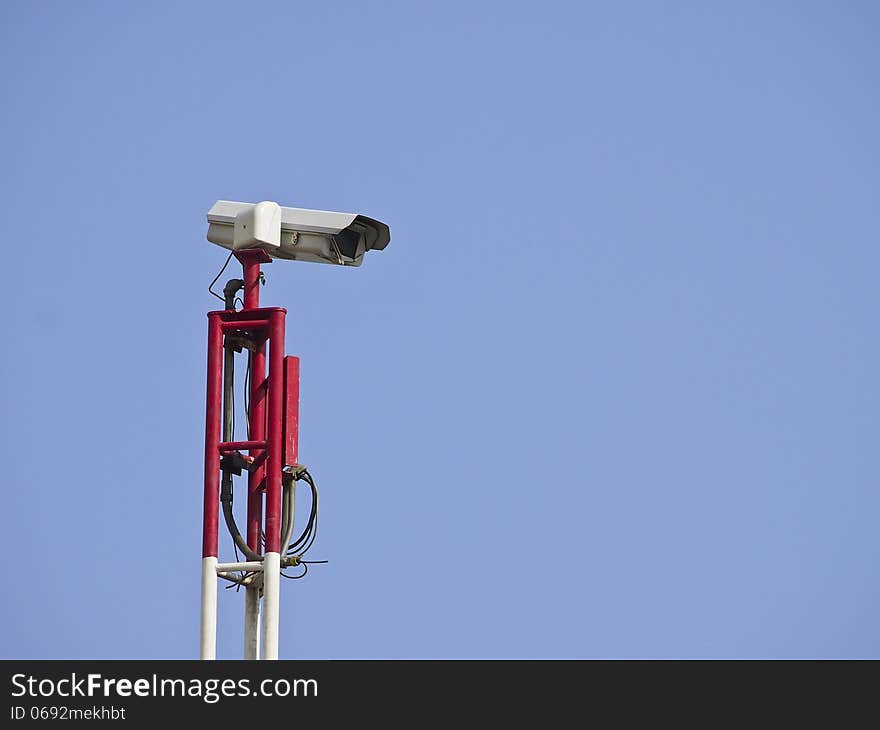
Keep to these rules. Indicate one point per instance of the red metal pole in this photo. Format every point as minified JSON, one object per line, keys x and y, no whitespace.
{"x":251,"y":258}
{"x":214,"y":399}
{"x":257,"y":433}
{"x":275,"y":429}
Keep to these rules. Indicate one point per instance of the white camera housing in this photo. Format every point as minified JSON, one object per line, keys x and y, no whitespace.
{"x":257,"y":226}
{"x":296,"y":234}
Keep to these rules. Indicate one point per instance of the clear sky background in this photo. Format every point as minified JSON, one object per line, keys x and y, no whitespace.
{"x":611,"y":391}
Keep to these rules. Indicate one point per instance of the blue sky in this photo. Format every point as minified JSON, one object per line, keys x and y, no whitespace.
{"x":610,"y":392}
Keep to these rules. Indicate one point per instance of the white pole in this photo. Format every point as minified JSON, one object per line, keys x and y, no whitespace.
{"x":252,"y":623}
{"x":271,"y":595}
{"x":208,"y":637}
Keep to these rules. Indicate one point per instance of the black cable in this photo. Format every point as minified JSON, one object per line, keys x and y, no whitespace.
{"x":297,"y":577}
{"x":237,"y":560}
{"x":229,"y":518}
{"x":305,"y":541}
{"x":232,"y":398}
{"x":239,"y":583}
{"x":219,"y":274}
{"x":302,"y":545}
{"x":313,"y":513}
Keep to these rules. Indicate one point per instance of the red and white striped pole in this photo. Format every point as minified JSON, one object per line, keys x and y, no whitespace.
{"x":214,"y":401}
{"x":272,"y":560}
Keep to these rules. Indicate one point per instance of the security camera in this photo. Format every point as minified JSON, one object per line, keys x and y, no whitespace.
{"x":296,"y":233}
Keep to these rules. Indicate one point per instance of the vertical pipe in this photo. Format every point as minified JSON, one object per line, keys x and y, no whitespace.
{"x":250,"y":263}
{"x":275,"y":428}
{"x":252,"y":623}
{"x":272,"y":561}
{"x":214,"y":397}
{"x":257,"y":420}
{"x":271,"y":604}
{"x":208,"y":634}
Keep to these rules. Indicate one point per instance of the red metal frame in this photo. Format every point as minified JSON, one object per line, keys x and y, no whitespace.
{"x":274,"y":411}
